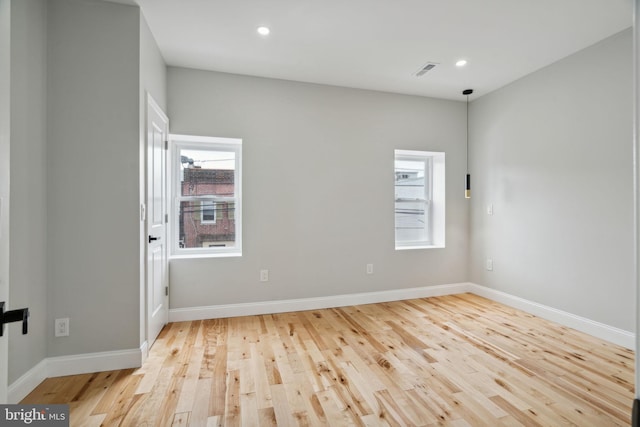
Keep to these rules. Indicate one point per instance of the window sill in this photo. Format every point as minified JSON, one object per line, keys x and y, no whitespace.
{"x":195,"y":256}
{"x":405,"y":248}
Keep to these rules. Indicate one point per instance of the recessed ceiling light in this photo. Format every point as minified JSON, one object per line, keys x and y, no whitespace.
{"x":263,"y":31}
{"x":461,"y":63}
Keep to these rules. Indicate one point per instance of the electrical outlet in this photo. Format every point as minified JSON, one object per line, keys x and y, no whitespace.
{"x":369,"y":268}
{"x":62,"y":327}
{"x":489,"y":264}
{"x":490,"y":209}
{"x":264,"y":275}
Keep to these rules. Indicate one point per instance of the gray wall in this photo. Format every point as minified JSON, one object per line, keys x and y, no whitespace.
{"x":28,"y":179}
{"x":92,"y":175}
{"x":100,"y":61}
{"x":553,"y":153}
{"x":153,"y":72}
{"x":318,"y":187}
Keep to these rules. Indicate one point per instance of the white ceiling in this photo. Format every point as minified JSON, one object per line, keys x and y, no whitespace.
{"x":380,"y":44}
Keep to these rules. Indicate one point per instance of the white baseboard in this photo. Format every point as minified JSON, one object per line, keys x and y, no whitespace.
{"x":93,"y":362}
{"x":74,"y":365}
{"x":599,"y":330}
{"x":24,"y":385}
{"x":282,"y":306}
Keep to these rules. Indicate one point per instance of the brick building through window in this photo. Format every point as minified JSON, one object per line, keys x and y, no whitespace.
{"x":209,"y":222}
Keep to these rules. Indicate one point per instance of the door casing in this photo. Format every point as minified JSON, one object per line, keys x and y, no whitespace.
{"x":156,"y":253}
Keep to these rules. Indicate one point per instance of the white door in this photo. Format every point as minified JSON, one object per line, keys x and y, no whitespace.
{"x":157,"y":264}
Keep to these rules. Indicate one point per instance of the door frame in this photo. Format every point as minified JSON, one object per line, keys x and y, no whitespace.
{"x":152,"y":104}
{"x":5,"y":165}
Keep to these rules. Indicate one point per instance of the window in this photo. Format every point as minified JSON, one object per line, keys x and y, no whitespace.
{"x":207,"y":196}
{"x":419,"y":199}
{"x":208,"y":212}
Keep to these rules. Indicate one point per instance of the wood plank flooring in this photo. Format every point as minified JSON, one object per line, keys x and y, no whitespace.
{"x":457,"y":360}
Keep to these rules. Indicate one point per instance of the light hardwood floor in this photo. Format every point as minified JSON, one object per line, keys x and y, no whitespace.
{"x":456,"y":360}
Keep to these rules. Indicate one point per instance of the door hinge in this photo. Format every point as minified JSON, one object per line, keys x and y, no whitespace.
{"x":166,"y":218}
{"x":166,"y":291}
{"x":166,"y":145}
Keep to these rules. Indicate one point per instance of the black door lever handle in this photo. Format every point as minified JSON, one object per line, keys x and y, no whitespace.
{"x":21,"y":314}
{"x":152,"y":238}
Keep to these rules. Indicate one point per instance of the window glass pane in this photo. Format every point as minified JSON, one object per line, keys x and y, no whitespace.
{"x":410,"y":179}
{"x":231,"y":210}
{"x":206,"y":224}
{"x":411,"y":222}
{"x":411,"y":204}
{"x":207,"y":173}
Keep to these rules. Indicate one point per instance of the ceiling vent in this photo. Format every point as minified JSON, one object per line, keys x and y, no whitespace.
{"x":426,"y":68}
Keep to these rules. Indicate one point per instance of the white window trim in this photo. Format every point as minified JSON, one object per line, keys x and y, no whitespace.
{"x":434,"y":198}
{"x":209,"y":143}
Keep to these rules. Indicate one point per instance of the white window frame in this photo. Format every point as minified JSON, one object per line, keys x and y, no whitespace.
{"x":190,"y":142}
{"x":434,"y":199}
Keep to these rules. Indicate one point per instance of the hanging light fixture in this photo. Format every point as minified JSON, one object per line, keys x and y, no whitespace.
{"x":467,"y":187}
